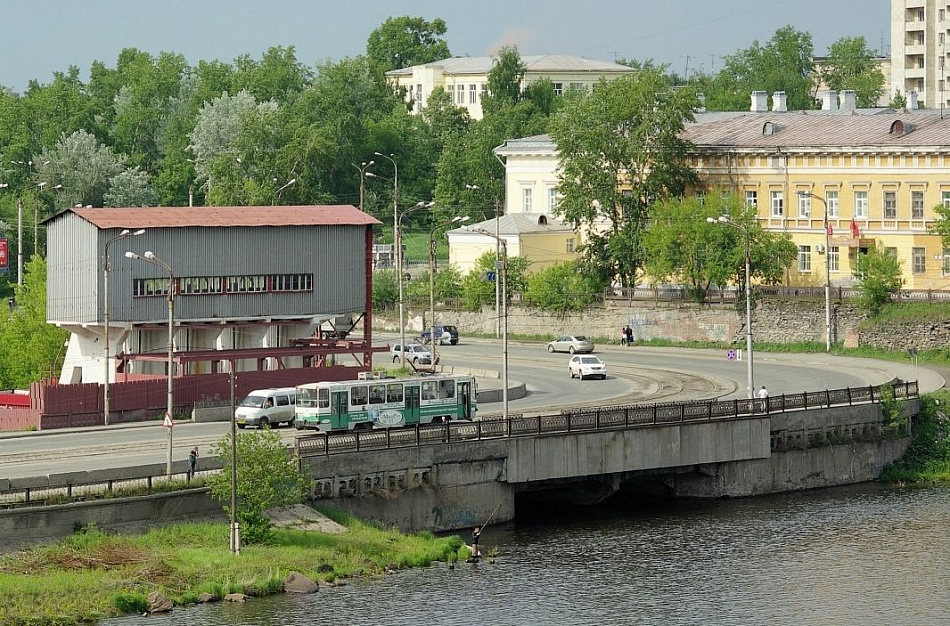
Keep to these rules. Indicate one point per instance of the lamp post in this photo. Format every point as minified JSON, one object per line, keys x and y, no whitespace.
{"x":402,"y":307}
{"x":454,"y":220}
{"x":149,"y":257}
{"x":503,"y":266}
{"x":281,"y":188}
{"x":808,"y":194}
{"x":362,"y":170}
{"x":723,"y":219}
{"x":397,"y":244}
{"x":106,"y":268}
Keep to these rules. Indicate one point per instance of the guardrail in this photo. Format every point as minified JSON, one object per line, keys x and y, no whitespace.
{"x":580,"y":420}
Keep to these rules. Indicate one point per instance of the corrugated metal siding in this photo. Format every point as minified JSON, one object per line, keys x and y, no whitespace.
{"x":73,"y":268}
{"x":333,"y":254}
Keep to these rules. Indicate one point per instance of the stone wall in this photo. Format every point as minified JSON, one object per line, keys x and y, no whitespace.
{"x":774,"y":321}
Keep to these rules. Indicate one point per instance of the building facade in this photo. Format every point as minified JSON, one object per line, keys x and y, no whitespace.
{"x":239,"y":279}
{"x":919,"y":50}
{"x":465,"y":79}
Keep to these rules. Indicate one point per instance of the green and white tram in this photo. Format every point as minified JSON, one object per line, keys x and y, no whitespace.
{"x":385,"y":402}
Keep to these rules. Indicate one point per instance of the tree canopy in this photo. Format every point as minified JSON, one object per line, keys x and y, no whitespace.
{"x":406,"y":41}
{"x":851,"y":65}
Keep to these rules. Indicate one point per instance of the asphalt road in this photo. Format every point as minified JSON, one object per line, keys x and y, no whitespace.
{"x":635,"y":374}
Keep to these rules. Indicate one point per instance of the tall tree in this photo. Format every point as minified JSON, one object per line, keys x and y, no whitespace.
{"x":851,"y":65}
{"x":504,"y":80}
{"x":784,"y":63}
{"x":621,"y":151}
{"x":406,"y":41}
{"x":84,"y":167}
{"x":277,"y":76}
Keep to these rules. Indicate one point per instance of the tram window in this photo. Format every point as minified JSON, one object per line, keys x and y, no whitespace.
{"x":358,"y":395}
{"x":324,"y":399}
{"x":377,"y":394}
{"x":394,"y":392}
{"x":429,"y":391}
{"x":446,"y":388}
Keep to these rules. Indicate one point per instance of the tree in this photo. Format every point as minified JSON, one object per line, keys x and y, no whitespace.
{"x":267,"y":477}
{"x":879,"y":278}
{"x":784,"y":63}
{"x":563,"y":287}
{"x":621,"y":151}
{"x":477,"y":290}
{"x":683,"y":247}
{"x":385,"y":289}
{"x":29,"y":346}
{"x":130,"y":188}
{"x":504,"y":80}
{"x":278,"y":76}
{"x":406,"y":41}
{"x":82,"y":165}
{"x":850,"y":65}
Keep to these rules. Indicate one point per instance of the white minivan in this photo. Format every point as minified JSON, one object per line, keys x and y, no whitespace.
{"x":267,"y":407}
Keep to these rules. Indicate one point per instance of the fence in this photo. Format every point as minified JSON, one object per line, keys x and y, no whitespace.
{"x":593,"y":419}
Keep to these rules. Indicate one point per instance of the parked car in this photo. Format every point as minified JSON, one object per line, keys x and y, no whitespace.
{"x":444,"y":332}
{"x":417,"y":354}
{"x":572,"y":344}
{"x":586,"y":365}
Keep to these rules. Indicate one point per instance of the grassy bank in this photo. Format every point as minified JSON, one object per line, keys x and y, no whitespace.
{"x":92,"y":575}
{"x":927,"y":460}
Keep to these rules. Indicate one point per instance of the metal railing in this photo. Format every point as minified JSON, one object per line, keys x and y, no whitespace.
{"x":590,"y":420}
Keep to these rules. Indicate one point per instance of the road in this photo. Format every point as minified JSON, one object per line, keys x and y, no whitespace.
{"x":635,"y":374}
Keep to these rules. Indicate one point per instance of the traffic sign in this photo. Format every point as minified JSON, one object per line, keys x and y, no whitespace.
{"x":168,"y":422}
{"x":731,"y":355}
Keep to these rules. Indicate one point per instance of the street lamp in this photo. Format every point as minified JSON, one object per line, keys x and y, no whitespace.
{"x":503,"y":266}
{"x":397,"y":244}
{"x":402,"y":307}
{"x":362,"y":170}
{"x":106,"y":267}
{"x":808,"y":194}
{"x":281,"y":188}
{"x":149,"y":257}
{"x":724,"y":219}
{"x":454,"y":220}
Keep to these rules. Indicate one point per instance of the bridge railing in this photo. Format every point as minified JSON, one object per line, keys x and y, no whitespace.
{"x":591,"y":419}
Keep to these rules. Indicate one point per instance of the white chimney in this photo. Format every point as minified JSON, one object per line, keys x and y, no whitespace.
{"x":829,"y":100}
{"x":778,"y":102}
{"x":849,"y":100}
{"x":911,"y":100}
{"x":702,"y":102}
{"x":760,"y":102}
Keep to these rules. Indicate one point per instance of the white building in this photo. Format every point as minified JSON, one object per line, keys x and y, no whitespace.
{"x":919,"y":32}
{"x":466,"y":78}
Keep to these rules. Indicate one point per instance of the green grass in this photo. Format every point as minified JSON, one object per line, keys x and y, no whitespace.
{"x":909,"y":311}
{"x":92,"y":575}
{"x":927,"y":460}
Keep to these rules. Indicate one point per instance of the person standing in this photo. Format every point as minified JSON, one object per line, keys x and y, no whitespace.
{"x":623,"y":336}
{"x":763,"y":392}
{"x":476,"y":535}
{"x":629,"y":332}
{"x":192,"y":462}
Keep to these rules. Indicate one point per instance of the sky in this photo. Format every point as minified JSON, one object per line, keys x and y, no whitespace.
{"x":41,"y":37}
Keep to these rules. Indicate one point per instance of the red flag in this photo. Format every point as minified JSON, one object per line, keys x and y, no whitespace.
{"x":831,"y":231}
{"x":854,"y":229}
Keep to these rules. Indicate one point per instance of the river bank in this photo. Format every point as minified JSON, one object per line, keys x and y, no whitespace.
{"x":927,"y":459}
{"x":91,"y":575}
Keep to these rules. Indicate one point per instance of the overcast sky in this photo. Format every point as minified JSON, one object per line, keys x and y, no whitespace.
{"x":40,"y":37}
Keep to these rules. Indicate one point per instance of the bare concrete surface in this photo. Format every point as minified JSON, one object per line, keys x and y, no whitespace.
{"x":302,"y":517}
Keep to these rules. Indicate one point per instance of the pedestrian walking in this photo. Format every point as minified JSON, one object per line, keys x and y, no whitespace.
{"x":623,"y":336}
{"x":192,"y":462}
{"x":763,"y":392}
{"x":629,"y":332}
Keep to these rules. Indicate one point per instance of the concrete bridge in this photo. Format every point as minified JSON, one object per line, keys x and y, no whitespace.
{"x":446,"y":478}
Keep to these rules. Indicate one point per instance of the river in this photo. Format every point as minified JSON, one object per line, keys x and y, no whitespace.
{"x":862,"y":555}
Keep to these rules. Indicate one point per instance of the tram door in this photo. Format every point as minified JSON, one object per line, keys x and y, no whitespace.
{"x":465,"y":400}
{"x":412,"y":404}
{"x":338,"y":412}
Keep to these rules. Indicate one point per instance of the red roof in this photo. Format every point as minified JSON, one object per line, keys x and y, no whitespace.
{"x":222,"y":216}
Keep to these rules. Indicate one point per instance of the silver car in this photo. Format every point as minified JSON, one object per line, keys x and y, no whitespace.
{"x":415,"y":353}
{"x":587,"y":365}
{"x":572,"y":344}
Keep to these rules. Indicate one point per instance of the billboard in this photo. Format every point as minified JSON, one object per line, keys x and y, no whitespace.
{"x":4,"y":254}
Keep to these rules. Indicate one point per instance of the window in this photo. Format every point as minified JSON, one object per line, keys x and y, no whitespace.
{"x":377,"y":394}
{"x":358,"y":395}
{"x":804,"y":205}
{"x":940,"y":14}
{"x":833,"y":259}
{"x":149,"y":287}
{"x":460,"y":91}
{"x":777,"y":197}
{"x":526,"y":200}
{"x":558,"y":89}
{"x":570,"y":245}
{"x":752,"y":199}
{"x":919,"y":260}
{"x":200,"y":284}
{"x":861,"y":204}
{"x":917,"y":205}
{"x":418,"y":98}
{"x":472,"y":93}
{"x":831,"y":200}
{"x":430,"y":390}
{"x":578,"y":86}
{"x":945,"y":268}
{"x":394,"y":392}
{"x":804,"y":258}
{"x":450,"y":89}
{"x":945,"y":198}
{"x":247,"y":284}
{"x":552,"y":200}
{"x":890,"y":205}
{"x":323,"y":398}
{"x":292,"y":282}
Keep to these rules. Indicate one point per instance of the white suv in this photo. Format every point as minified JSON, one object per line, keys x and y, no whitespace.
{"x":415,"y":353}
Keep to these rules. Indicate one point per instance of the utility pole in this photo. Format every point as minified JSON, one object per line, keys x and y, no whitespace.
{"x":497,"y":256}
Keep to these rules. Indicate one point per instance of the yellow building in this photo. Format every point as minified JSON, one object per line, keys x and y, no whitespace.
{"x":874,"y":177}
